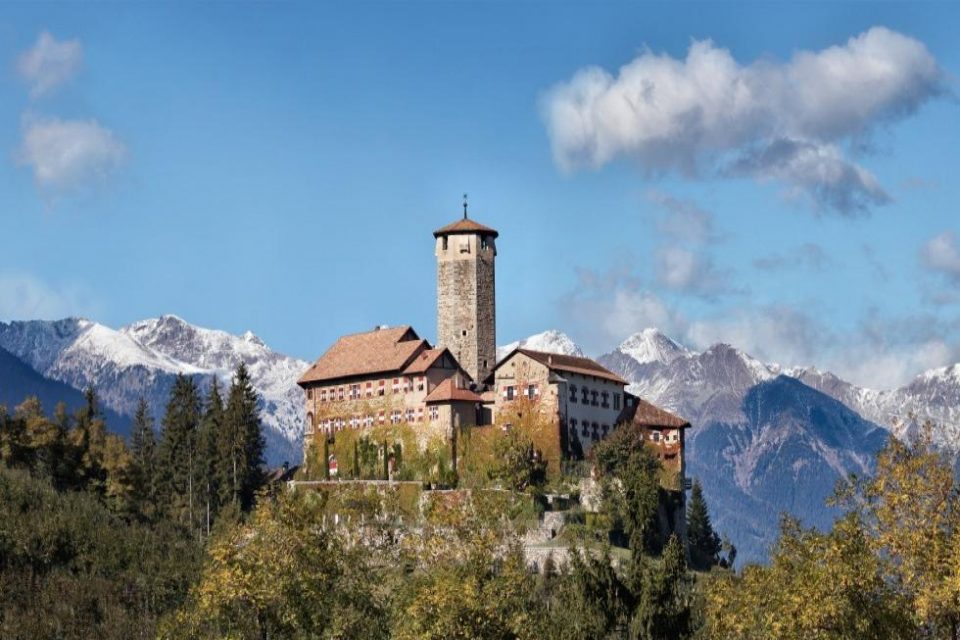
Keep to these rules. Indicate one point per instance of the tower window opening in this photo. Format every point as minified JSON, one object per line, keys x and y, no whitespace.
{"x":483,"y":242}
{"x":464,"y":332}
{"x":445,"y":243}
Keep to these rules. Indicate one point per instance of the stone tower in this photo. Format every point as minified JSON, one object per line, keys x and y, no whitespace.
{"x":466,"y":310}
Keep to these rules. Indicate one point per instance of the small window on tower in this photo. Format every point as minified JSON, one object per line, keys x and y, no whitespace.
{"x":464,"y":332}
{"x":444,"y":243}
{"x":483,"y":242}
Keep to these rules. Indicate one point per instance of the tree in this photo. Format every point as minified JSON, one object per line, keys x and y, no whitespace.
{"x":519,"y":465}
{"x":665,"y":598}
{"x":143,"y":448}
{"x":911,"y":508}
{"x":211,"y":431}
{"x":629,"y":478}
{"x":178,"y":452}
{"x":281,"y":575}
{"x":704,"y":542}
{"x":818,"y":585}
{"x":87,"y":442}
{"x":241,"y":447}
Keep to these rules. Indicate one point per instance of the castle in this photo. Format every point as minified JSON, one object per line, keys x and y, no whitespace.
{"x":391,"y":375}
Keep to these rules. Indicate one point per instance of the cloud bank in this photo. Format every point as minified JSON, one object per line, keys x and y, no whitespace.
{"x":783,"y":121}
{"x":49,"y":63}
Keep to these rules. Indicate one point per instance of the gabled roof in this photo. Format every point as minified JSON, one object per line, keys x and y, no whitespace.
{"x":426,"y":359}
{"x":650,"y":416}
{"x":465,"y":226}
{"x":571,"y":364}
{"x":377,"y":351}
{"x":446,"y":391}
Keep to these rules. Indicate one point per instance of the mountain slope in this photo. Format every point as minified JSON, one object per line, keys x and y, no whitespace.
{"x":19,"y":381}
{"x":786,"y":456}
{"x":145,"y":358}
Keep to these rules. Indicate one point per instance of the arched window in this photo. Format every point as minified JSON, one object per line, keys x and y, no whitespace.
{"x":310,"y":420}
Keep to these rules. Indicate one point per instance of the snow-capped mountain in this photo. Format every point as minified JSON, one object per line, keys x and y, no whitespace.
{"x":767,"y":440}
{"x":650,"y":345}
{"x":551,"y":341}
{"x":144,"y":358}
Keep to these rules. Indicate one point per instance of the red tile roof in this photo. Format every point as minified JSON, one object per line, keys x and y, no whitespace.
{"x":425,"y":360}
{"x":447,"y":392}
{"x":572,"y":364}
{"x":377,"y":351}
{"x":650,"y":416}
{"x":464,"y":226}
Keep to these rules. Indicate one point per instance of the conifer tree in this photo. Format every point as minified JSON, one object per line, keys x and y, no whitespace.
{"x":211,"y":428}
{"x":704,"y":542}
{"x":178,"y":451}
{"x":88,"y":442}
{"x":242,"y":444}
{"x":143,"y":448}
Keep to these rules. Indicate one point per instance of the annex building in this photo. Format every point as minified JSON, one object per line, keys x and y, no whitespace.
{"x":392,"y":376}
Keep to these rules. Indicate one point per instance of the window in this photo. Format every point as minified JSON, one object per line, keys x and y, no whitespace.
{"x":310,"y":421}
{"x":383,"y":384}
{"x":656,"y":436}
{"x":606,"y":396}
{"x":445,"y":243}
{"x":309,"y":393}
{"x":586,"y":396}
{"x":573,"y":393}
{"x":483,"y":242}
{"x":395,"y":416}
{"x":595,"y":436}
{"x":340,"y":393}
{"x":323,"y":395}
{"x":369,"y":389}
{"x":532,"y":391}
{"x":508,"y":393}
{"x":573,"y":426}
{"x":464,"y":332}
{"x":396,"y":385}
{"x":616,"y":401}
{"x":594,"y":394}
{"x":354,"y":391}
{"x":421,"y":383}
{"x":434,"y":412}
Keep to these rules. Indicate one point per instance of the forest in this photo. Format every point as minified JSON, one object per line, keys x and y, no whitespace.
{"x":179,"y":533}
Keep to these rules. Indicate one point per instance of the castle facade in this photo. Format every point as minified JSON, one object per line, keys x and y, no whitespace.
{"x":393,"y":376}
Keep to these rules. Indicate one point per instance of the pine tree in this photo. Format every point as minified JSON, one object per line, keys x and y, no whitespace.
{"x":88,"y":443}
{"x":242,"y":442}
{"x":178,"y":451}
{"x":143,"y":448}
{"x":211,"y":428}
{"x":703,"y":540}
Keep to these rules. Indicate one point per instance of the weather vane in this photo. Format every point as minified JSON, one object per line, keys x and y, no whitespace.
{"x":464,"y":206}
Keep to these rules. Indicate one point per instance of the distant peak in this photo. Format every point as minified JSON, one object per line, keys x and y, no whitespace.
{"x":651,"y":345}
{"x":549,"y":341}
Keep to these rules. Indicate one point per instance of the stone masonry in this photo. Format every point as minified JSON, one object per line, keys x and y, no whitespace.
{"x":466,"y":312}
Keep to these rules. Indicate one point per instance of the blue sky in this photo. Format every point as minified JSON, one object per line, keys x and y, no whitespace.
{"x":280,"y":167}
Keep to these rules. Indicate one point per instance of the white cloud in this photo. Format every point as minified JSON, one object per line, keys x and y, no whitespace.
{"x":941,"y":254}
{"x":708,"y":113}
{"x":66,"y":154}
{"x":25,"y":297}
{"x":49,"y":63}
